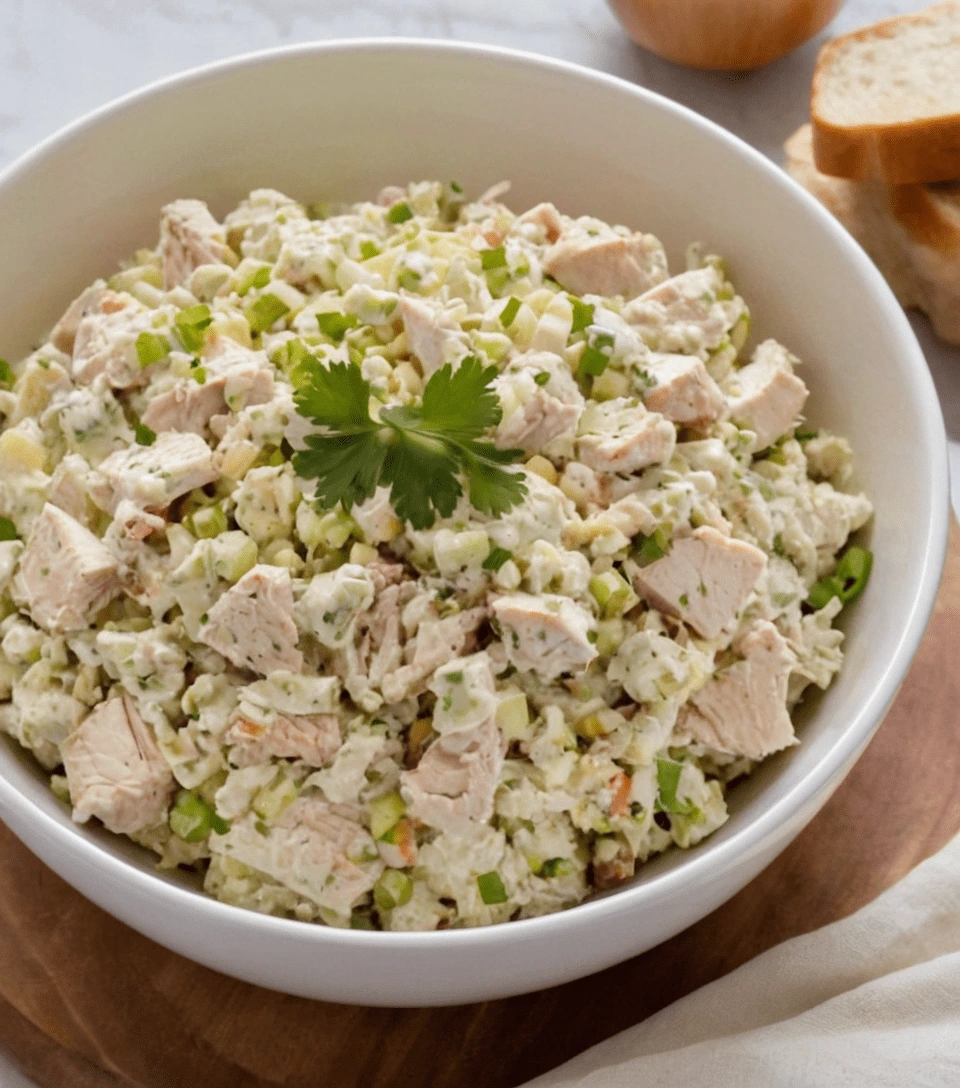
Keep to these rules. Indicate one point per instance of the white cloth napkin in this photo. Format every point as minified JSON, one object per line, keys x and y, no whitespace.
{"x":871,"y":1001}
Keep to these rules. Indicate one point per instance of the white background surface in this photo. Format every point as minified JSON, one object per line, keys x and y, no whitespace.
{"x":61,"y":58}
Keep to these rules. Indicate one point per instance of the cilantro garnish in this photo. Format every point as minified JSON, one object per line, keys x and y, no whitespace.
{"x":420,"y":452}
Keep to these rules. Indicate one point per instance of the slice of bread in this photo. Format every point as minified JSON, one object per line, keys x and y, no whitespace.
{"x":912,"y":232}
{"x":886,"y":100}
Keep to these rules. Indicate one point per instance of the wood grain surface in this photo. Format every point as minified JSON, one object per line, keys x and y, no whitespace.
{"x":87,"y":1003}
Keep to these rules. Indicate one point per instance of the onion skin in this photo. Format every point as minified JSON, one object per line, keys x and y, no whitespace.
{"x":723,"y":35}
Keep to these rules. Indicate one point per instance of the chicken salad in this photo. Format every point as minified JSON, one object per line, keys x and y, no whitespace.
{"x":413,"y":563}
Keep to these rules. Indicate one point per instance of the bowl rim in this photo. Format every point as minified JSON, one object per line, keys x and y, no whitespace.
{"x":697,"y":868}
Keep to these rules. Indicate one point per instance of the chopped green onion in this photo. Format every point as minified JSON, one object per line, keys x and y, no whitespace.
{"x":151,"y":348}
{"x":6,"y":373}
{"x":335,"y":324}
{"x":368,"y":249}
{"x":653,"y":547}
{"x":848,"y":580}
{"x":192,"y":819}
{"x":594,"y":360}
{"x":258,"y":278}
{"x":192,"y":324}
{"x":556,"y":867}
{"x":582,"y":315}
{"x":668,"y":779}
{"x":496,"y":559}
{"x":393,"y":889}
{"x":509,"y":312}
{"x":542,"y":378}
{"x":805,"y":436}
{"x":8,"y":531}
{"x":491,"y":888}
{"x":493,"y":258}
{"x":266,"y":311}
{"x":400,"y":212}
{"x":143,"y":435}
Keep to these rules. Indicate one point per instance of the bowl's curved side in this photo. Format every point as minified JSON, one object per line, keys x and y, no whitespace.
{"x":591,"y":144}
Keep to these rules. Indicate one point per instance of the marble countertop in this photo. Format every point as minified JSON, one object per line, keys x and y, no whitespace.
{"x":61,"y":58}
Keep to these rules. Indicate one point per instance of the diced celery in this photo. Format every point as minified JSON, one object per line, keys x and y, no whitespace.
{"x":363,"y":554}
{"x":613,"y":594}
{"x":491,"y":888}
{"x":192,"y":819}
{"x":192,"y":324}
{"x":543,"y":468}
{"x":209,"y":521}
{"x":653,"y":547}
{"x":513,"y":716}
{"x":610,"y":633}
{"x":554,"y":867}
{"x":385,"y":811}
{"x":590,"y":727}
{"x":400,"y":212}
{"x":272,"y":799}
{"x":335,"y":324}
{"x":610,"y":385}
{"x":393,"y":889}
{"x":23,"y":451}
{"x":238,"y":557}
{"x":740,"y":332}
{"x":151,"y":348}
{"x":265,"y":312}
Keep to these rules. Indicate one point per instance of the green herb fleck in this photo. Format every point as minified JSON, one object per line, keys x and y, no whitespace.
{"x":143,"y":435}
{"x":496,"y":559}
{"x":8,"y":531}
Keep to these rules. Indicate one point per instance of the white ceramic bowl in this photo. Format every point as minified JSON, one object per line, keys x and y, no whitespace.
{"x":340,"y":119}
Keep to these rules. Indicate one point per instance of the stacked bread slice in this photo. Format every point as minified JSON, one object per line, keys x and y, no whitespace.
{"x":883,"y":152}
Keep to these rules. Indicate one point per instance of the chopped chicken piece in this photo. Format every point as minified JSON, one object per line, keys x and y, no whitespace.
{"x":153,"y":476}
{"x":546,"y":217}
{"x":743,"y":710}
{"x":115,"y":769}
{"x":436,"y":641}
{"x":64,"y":333}
{"x":608,"y":264}
{"x":430,"y":340}
{"x":541,"y":402}
{"x":683,"y":312}
{"x":309,"y":848}
{"x":705,"y":579}
{"x":106,"y":340}
{"x":685,"y":393}
{"x":235,"y":377}
{"x":765,"y":395}
{"x":547,"y":634}
{"x":456,"y":779}
{"x":252,"y":623}
{"x":66,"y":573}
{"x":313,"y":738}
{"x":190,"y":237}
{"x":620,"y":436}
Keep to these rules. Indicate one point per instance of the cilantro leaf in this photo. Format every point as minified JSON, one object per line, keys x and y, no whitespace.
{"x":419,"y":451}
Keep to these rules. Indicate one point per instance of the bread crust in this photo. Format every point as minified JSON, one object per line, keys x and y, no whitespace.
{"x":912,"y":232}
{"x":902,"y":153}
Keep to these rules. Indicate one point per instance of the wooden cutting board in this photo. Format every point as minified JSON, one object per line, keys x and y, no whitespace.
{"x":87,"y":1003}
